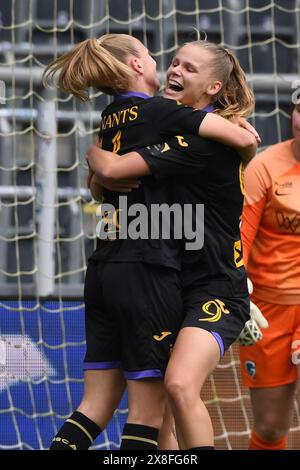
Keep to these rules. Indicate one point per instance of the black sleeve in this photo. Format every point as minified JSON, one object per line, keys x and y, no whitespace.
{"x":180,"y":156}
{"x":171,"y":117}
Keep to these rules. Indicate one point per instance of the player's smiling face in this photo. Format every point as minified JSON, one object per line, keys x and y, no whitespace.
{"x":189,"y":76}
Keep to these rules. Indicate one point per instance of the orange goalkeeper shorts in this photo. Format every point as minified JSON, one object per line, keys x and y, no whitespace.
{"x":273,"y":360}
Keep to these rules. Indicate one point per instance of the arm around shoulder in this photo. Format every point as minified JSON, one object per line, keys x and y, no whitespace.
{"x":217,"y":128}
{"x":113,"y":167}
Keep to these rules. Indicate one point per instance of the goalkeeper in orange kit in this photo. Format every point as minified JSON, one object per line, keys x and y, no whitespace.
{"x":271,"y":241}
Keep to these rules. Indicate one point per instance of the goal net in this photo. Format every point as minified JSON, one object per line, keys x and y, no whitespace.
{"x":47,"y":218}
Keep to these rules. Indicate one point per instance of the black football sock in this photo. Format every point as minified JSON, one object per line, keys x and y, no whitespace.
{"x":138,"y":437}
{"x":77,"y":433}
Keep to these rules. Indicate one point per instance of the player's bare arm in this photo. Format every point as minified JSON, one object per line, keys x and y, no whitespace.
{"x":112,"y":167}
{"x":242,"y":136}
{"x":96,"y":181}
{"x":93,"y":182}
{"x":95,"y":187}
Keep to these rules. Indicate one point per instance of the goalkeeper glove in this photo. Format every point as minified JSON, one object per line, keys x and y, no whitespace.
{"x":251,"y":333}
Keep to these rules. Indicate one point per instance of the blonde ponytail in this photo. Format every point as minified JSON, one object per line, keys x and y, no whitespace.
{"x":235,"y":98}
{"x":98,"y":63}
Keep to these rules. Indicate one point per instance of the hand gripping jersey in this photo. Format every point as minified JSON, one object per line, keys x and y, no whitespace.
{"x":271,"y":224}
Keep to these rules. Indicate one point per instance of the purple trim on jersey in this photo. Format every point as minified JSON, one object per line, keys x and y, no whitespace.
{"x":209,"y":108}
{"x":143,"y":374}
{"x":130,"y":94}
{"x":220,"y":342}
{"x":101,"y":365}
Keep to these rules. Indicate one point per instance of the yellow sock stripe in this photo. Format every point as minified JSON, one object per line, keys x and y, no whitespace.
{"x":81,"y":428}
{"x":143,"y":439}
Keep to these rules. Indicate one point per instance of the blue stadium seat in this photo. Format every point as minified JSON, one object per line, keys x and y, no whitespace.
{"x":46,"y":16}
{"x":263,"y":55}
{"x":45,"y":10}
{"x":13,"y":12}
{"x":119,"y":9}
{"x":268,"y":27}
{"x":208,"y":22}
{"x":267,"y":125}
{"x":125,"y":17}
{"x":5,"y":20}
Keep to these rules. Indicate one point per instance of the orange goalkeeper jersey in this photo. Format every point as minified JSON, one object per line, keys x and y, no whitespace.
{"x":271,"y":224}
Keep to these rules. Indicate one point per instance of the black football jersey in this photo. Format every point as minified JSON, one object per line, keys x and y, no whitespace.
{"x":128,"y":123}
{"x":208,"y":173}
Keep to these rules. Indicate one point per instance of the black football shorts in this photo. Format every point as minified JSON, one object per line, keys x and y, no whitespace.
{"x":212,"y":308}
{"x":133,"y":312}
